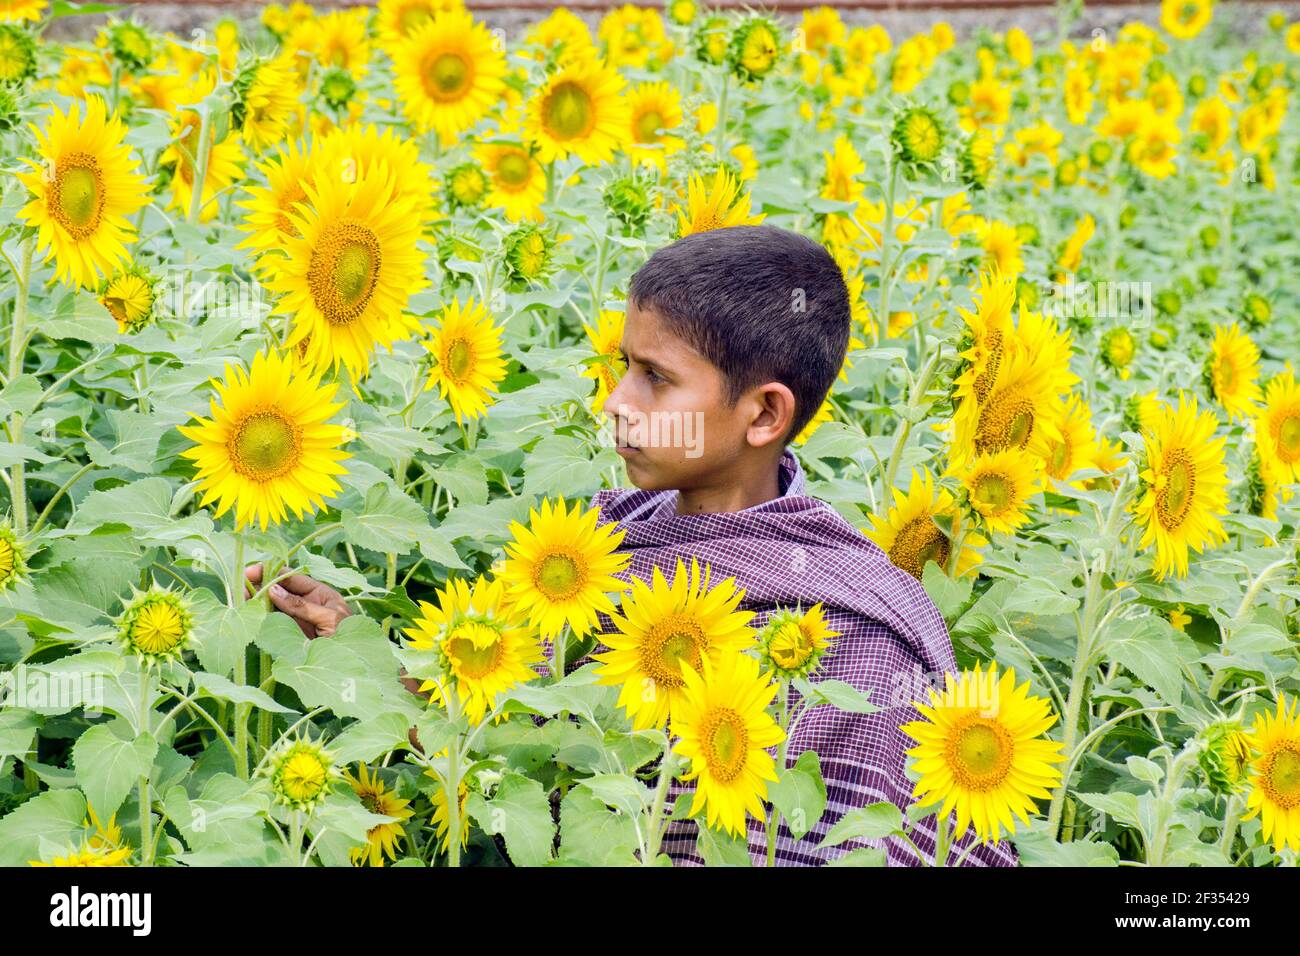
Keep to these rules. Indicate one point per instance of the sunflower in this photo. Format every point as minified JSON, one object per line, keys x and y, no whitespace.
{"x":606,"y":342}
{"x":1152,"y":148}
{"x":517,"y":180}
{"x":1072,"y":253}
{"x":356,"y":153}
{"x":399,"y":20}
{"x":302,"y":773}
{"x":13,"y":556}
{"x":267,"y":445}
{"x":1118,"y":346}
{"x":268,"y":98}
{"x":89,"y":855}
{"x":1077,"y":448}
{"x":350,"y":270}
{"x":989,"y":105}
{"x":1278,"y":424}
{"x":721,"y":717}
{"x":633,"y":36}
{"x":341,"y":41}
{"x":663,"y":626}
{"x":791,"y":644}
{"x":1231,"y":370}
{"x":1275,"y":775}
{"x":841,"y":183}
{"x":715,"y":206}
{"x":129,"y":297}
{"x":655,"y":110}
{"x":267,"y":219}
{"x":999,"y":486}
{"x":467,"y":363}
{"x":84,"y":187}
{"x":1184,"y":19}
{"x":382,"y":839}
{"x":910,"y":537}
{"x":1021,"y":409}
{"x":560,"y":567}
{"x":580,"y":109}
{"x":442,"y":814}
{"x":989,"y":332}
{"x":483,"y":647}
{"x":755,"y":48}
{"x":156,"y":625}
{"x":559,"y":39}
{"x":17,"y":54}
{"x":1001,"y":245}
{"x":980,"y":750}
{"x":225,"y":158}
{"x":917,"y":135}
{"x":1184,"y":486}
{"x":449,"y":74}
{"x":16,"y":11}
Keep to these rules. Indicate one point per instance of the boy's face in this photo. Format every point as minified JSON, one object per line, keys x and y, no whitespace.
{"x":671,"y":420}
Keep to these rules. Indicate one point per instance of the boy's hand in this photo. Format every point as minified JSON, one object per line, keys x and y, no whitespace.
{"x":317,"y":608}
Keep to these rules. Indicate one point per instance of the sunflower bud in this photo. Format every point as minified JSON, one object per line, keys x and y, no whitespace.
{"x":1028,"y":294}
{"x":130,"y":45}
{"x":529,"y":252}
{"x":1208,"y":275}
{"x":959,"y":93}
{"x":682,"y":12}
{"x":1256,"y":311}
{"x":13,"y":555}
{"x":755,"y":49}
{"x":10,"y":117}
{"x":1196,"y":86}
{"x":129,"y":296}
{"x":1209,"y":237}
{"x":711,"y":41}
{"x":1169,"y":302}
{"x":302,"y":772}
{"x":1100,"y":152}
{"x":918,"y":136}
{"x":17,"y":54}
{"x":157,"y":625}
{"x":465,"y":186}
{"x":1117,"y":349}
{"x":628,"y":201}
{"x":977,"y":160}
{"x":337,"y":88}
{"x":1225,"y":754}
{"x":791,"y":644}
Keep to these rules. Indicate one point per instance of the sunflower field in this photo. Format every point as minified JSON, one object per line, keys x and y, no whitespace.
{"x":340,"y":293}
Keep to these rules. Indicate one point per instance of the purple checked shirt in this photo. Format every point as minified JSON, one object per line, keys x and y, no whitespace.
{"x":796,"y":549}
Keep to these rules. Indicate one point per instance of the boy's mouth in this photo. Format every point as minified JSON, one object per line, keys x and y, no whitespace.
{"x":627,"y":449}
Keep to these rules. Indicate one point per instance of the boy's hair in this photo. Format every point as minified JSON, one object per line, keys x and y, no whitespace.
{"x":761,"y":303}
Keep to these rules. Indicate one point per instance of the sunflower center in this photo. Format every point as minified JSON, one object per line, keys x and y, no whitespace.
{"x":1006,"y":422}
{"x":512,"y":170}
{"x":992,"y":493}
{"x":1175,"y":499}
{"x":979,"y":753}
{"x":728,"y":744}
{"x":1283,"y":777}
{"x":76,"y":197}
{"x":344,"y":271}
{"x":559,"y":576}
{"x":984,"y":382}
{"x":477,"y":650}
{"x":157,"y":629}
{"x":458,"y":361}
{"x":672,"y":642}
{"x":1288,"y":438}
{"x":448,"y":76}
{"x":568,"y":111}
{"x":791,"y":648}
{"x":303,"y":777}
{"x":919,"y":541}
{"x":266,"y":444}
{"x":648,"y":125}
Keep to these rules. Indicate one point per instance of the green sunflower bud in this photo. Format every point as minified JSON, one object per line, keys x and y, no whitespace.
{"x":1127,"y":216}
{"x":529,"y":253}
{"x":1169,"y":302}
{"x":1256,"y":310}
{"x":755,"y":49}
{"x":130,"y":45}
{"x":302,"y":773}
{"x":1209,"y":236}
{"x":157,"y":625}
{"x":959,"y":93}
{"x":1117,"y":350}
{"x":792,"y":642}
{"x":13,"y":557}
{"x":627,"y":199}
{"x":1028,"y":294}
{"x":465,"y":186}
{"x":918,"y":136}
{"x":337,"y":88}
{"x":1100,"y":152}
{"x":1224,"y":756}
{"x":17,"y":54}
{"x":976,"y":160}
{"x":10,"y":115}
{"x":1196,"y":86}
{"x":712,"y":40}
{"x":1208,"y":275}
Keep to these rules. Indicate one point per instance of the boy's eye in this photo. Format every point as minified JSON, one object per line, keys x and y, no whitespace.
{"x":651,"y":374}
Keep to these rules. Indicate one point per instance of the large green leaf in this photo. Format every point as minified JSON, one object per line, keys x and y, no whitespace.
{"x":520,"y":813}
{"x":109,"y":761}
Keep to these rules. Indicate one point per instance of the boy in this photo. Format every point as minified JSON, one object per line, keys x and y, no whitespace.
{"x":744,"y":329}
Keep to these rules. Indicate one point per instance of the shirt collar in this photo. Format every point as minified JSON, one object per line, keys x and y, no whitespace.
{"x":790,"y":480}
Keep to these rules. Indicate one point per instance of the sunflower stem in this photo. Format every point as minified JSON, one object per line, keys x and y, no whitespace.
{"x":17,"y":351}
{"x":941,"y":840}
{"x":143,"y":726}
{"x":241,"y":712}
{"x":782,"y":757}
{"x":655,"y":831}
{"x":200,"y":165}
{"x":722,"y":117}
{"x":886,"y":235}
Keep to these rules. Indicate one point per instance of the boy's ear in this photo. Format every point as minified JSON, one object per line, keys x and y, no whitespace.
{"x":774,"y":413}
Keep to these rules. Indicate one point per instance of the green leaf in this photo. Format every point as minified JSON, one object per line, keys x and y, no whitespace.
{"x":214,"y":685}
{"x":46,"y":825}
{"x":367,"y":740}
{"x":520,"y":812}
{"x":1038,"y":597}
{"x":1154,"y":652}
{"x":391,"y":522}
{"x":875,"y":821}
{"x":948,"y":595}
{"x":109,"y":765}
{"x":593,"y":835}
{"x":862,"y":856}
{"x":800,"y":794}
{"x":17,"y":731}
{"x":721,"y":848}
{"x":224,"y":634}
{"x":1122,"y":807}
{"x":837,"y":693}
{"x":620,"y":791}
